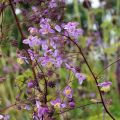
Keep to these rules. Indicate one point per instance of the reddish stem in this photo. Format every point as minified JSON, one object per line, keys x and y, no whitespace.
{"x":95,"y":78}
{"x":29,"y":58}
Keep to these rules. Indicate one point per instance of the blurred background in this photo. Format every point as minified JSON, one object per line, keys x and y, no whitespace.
{"x":100,"y":20}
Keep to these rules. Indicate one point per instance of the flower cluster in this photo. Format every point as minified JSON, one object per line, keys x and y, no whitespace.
{"x":49,"y":50}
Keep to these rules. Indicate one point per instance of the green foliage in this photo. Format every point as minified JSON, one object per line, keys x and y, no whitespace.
{"x":21,"y":79}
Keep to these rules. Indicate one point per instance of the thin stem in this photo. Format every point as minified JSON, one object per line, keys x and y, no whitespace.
{"x":78,"y":107}
{"x":16,"y":19}
{"x":102,"y":100}
{"x":107,"y":67}
{"x":20,"y":30}
{"x":46,"y":91}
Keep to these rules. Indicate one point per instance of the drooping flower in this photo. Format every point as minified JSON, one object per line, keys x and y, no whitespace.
{"x":68,"y":92}
{"x":70,"y":67}
{"x":81,"y":77}
{"x":105,"y":86}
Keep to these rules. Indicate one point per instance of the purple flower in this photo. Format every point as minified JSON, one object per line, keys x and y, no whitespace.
{"x":105,"y":84}
{"x":63,"y":105}
{"x":44,"y":21}
{"x":27,"y":107}
{"x":72,"y":30}
{"x":89,"y":41}
{"x":52,"y":4}
{"x":44,"y":45}
{"x":42,"y":111}
{"x":71,"y":26}
{"x":4,"y":117}
{"x":72,"y":104}
{"x":33,"y":30}
{"x":58,"y":28}
{"x":46,"y":61}
{"x":31,"y":84}
{"x":56,"y":103}
{"x":45,"y":29}
{"x":48,"y":52}
{"x":70,"y":67}
{"x":58,"y":62}
{"x":68,"y":92}
{"x":32,"y":41}
{"x":81,"y":77}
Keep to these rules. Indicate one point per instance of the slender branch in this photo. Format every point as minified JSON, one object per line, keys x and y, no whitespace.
{"x":46,"y":91}
{"x":107,"y":67}
{"x":102,"y":100}
{"x":20,"y":30}
{"x":17,"y":21}
{"x":78,"y":107}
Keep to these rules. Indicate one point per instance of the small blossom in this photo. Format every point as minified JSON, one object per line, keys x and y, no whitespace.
{"x":71,"y":25}
{"x":27,"y":107}
{"x":42,"y":111}
{"x":72,"y":30}
{"x":46,"y":61}
{"x":38,"y":104}
{"x":70,"y":67}
{"x":44,"y":21}
{"x":105,"y":86}
{"x":31,"y":84}
{"x":52,"y":4}
{"x":56,"y":103}
{"x":45,"y":29}
{"x":72,"y":104}
{"x":68,"y":92}
{"x":81,"y":77}
{"x":32,"y":41}
{"x":63,"y":105}
{"x":58,"y":28}
{"x":33,"y":30}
